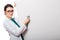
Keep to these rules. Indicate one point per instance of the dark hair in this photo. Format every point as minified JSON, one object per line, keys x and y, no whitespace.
{"x":6,"y":6}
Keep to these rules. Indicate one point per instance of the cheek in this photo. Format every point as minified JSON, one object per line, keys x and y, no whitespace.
{"x":8,"y":14}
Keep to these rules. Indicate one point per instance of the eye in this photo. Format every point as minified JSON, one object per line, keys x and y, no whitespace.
{"x":10,"y":11}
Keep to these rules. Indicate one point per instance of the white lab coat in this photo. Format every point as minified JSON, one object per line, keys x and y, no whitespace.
{"x":13,"y":30}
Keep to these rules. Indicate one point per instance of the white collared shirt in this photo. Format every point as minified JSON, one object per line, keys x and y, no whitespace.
{"x":13,"y":30}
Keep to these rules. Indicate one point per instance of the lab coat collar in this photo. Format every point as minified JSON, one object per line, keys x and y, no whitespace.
{"x":7,"y":18}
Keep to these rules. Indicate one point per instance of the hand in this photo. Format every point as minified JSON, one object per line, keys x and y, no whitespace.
{"x":14,"y":4}
{"x":26,"y":21}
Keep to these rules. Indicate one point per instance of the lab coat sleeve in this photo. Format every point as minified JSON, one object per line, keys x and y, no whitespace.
{"x":25,"y":28}
{"x":20,"y":22}
{"x":15,"y":31}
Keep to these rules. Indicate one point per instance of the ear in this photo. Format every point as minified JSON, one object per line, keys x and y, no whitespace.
{"x":4,"y":12}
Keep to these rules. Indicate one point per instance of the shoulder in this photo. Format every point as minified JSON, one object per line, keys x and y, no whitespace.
{"x":16,"y":18}
{"x":5,"y":22}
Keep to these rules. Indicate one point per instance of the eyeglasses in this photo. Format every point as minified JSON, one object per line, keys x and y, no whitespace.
{"x":10,"y":11}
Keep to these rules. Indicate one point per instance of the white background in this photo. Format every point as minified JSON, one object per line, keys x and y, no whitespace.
{"x":45,"y":18}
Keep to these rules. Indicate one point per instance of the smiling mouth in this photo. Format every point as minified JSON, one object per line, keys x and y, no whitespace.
{"x":11,"y":14}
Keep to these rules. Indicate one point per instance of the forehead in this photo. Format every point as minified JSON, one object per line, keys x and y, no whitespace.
{"x":9,"y":8}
